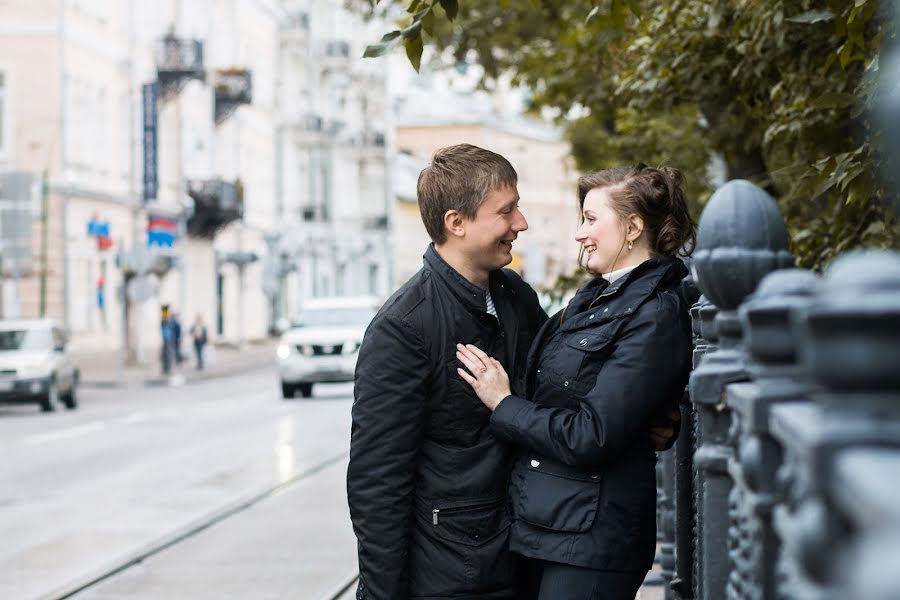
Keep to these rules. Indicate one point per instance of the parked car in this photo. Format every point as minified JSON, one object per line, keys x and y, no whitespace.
{"x":36,"y":365}
{"x":323,"y":344}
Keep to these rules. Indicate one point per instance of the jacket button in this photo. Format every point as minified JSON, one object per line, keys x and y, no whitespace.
{"x":538,"y":370}
{"x":565,"y":384}
{"x":535,"y":463}
{"x":583,"y":342}
{"x":606,"y":309}
{"x":592,"y":316}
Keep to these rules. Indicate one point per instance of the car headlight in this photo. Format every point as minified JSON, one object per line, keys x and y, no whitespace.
{"x":350,"y":346}
{"x":284,"y":350}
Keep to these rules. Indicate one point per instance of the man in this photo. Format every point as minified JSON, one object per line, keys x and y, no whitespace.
{"x":427,"y":480}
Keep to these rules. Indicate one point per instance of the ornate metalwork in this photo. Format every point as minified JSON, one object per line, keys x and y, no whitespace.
{"x":741,"y":238}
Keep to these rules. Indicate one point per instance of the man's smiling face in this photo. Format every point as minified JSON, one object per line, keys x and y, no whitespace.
{"x":489,"y":236}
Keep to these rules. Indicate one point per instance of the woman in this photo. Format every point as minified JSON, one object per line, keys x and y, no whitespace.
{"x":583,"y":491}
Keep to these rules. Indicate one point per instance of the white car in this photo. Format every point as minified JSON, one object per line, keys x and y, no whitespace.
{"x":324,"y":343}
{"x":36,"y":365}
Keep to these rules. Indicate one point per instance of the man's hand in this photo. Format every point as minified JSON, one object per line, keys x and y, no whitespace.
{"x":663,"y":436}
{"x":665,"y":432}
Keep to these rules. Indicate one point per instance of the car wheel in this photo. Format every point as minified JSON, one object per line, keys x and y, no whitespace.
{"x":306,"y":389}
{"x":50,"y":400}
{"x":70,"y":399}
{"x":287,"y":390}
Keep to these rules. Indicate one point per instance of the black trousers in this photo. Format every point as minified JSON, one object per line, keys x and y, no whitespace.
{"x":543,"y":580}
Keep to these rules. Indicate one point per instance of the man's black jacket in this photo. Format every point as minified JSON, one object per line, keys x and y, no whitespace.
{"x":427,"y":480}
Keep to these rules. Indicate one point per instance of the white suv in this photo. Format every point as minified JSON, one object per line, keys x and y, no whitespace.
{"x":324,"y":343}
{"x":36,"y":365}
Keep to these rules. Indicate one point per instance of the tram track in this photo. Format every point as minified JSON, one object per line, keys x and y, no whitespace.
{"x":181,"y":535}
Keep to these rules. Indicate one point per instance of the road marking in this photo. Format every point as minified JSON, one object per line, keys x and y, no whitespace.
{"x":62,"y":434}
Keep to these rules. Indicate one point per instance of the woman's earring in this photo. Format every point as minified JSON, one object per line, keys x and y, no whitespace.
{"x":630,"y":244}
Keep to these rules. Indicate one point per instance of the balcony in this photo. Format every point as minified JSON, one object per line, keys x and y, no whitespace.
{"x":233,"y":87}
{"x":217,"y":203}
{"x":177,"y":61}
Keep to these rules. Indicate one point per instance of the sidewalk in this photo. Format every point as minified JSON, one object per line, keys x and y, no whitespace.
{"x":102,"y":368}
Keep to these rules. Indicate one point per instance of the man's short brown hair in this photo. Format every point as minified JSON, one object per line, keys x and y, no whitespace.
{"x":459,"y":178}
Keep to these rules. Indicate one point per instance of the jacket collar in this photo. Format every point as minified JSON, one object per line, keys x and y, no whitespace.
{"x":470,"y":295}
{"x":622,"y":296}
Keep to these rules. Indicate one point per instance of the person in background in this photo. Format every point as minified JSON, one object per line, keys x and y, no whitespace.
{"x":167,"y":353}
{"x":198,"y":333}
{"x":176,"y":337}
{"x":583,"y":488}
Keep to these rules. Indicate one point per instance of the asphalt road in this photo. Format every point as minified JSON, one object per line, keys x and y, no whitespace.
{"x":217,"y":489}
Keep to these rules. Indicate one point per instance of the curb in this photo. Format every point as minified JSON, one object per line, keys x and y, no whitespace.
{"x":176,"y":380}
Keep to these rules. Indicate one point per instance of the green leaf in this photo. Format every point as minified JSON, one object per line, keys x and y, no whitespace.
{"x":833,"y":100}
{"x":504,"y":4}
{"x":876,"y":228}
{"x":413,"y":32}
{"x":812,"y":16}
{"x":451,"y":7}
{"x":414,"y":51}
{"x":427,"y":20}
{"x":388,"y":41}
{"x":414,"y":6}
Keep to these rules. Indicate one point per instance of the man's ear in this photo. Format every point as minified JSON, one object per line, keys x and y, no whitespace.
{"x":634,"y":227}
{"x":454,"y":223}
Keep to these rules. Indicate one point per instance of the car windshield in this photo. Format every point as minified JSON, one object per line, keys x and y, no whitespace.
{"x":25,"y":339}
{"x":351,"y":315}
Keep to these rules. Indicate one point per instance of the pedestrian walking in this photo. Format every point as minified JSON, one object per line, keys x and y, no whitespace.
{"x":583,"y":488}
{"x":167,"y":350}
{"x":176,"y":337}
{"x":198,"y":333}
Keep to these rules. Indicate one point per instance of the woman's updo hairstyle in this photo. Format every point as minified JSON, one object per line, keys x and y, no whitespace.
{"x":653,"y":194}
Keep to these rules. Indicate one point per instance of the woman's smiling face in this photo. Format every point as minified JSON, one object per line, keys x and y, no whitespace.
{"x":602,"y":233}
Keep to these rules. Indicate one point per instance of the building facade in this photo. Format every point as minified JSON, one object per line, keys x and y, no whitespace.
{"x":222,"y":157}
{"x":334,"y":192}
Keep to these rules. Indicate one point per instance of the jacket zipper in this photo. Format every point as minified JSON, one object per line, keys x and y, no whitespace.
{"x":434,"y":516}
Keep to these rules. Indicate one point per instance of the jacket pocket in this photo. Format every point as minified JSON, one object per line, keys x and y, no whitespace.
{"x":554,"y":496}
{"x":460,"y":548}
{"x":592,"y":350}
{"x":470,"y":522}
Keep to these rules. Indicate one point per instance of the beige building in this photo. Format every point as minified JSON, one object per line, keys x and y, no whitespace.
{"x":546,"y":187}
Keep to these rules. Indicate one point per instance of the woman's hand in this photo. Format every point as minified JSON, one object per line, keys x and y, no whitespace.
{"x":486,"y":375}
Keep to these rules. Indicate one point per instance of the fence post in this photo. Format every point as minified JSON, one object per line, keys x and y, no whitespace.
{"x":835,"y":481}
{"x":741,"y":238}
{"x":682,"y":584}
{"x":776,"y":374}
{"x":669,"y":467}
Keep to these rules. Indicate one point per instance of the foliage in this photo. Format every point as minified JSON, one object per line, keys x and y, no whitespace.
{"x":777,"y":91}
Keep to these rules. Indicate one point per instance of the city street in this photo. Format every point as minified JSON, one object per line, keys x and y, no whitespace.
{"x":216,"y":489}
